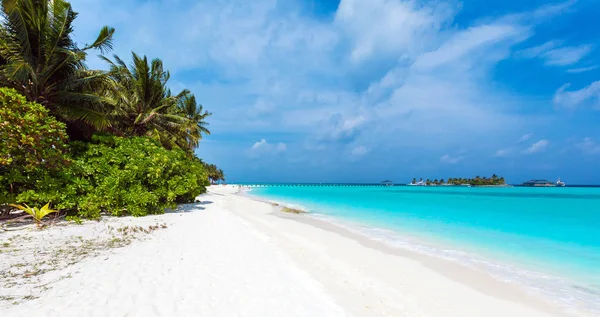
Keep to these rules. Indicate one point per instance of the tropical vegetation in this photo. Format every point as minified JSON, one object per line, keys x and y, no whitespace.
{"x":37,"y":213}
{"x":143,"y":105}
{"x":114,"y":141}
{"x":215,"y":174}
{"x":478,"y":181}
{"x":40,"y":59}
{"x":494,"y":180}
{"x":34,"y":146}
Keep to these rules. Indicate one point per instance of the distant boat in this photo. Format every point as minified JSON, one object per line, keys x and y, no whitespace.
{"x":419,"y":183}
{"x":559,"y":183}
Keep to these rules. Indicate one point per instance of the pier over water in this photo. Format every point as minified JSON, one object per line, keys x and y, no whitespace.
{"x":317,"y":185}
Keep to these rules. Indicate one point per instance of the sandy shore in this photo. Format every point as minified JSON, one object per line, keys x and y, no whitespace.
{"x":233,"y":256}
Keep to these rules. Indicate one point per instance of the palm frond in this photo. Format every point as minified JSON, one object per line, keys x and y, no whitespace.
{"x":104,"y":40}
{"x":40,"y":59}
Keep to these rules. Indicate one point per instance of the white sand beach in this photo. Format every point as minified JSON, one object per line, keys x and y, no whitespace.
{"x":234,"y":256}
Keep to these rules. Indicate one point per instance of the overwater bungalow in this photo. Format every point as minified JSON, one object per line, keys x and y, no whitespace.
{"x":387,"y":183}
{"x":538,"y":183}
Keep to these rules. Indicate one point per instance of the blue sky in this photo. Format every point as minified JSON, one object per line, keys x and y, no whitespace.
{"x":365,"y":90}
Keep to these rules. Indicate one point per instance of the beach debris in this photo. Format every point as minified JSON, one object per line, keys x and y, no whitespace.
{"x":293,"y":210}
{"x":27,"y":257}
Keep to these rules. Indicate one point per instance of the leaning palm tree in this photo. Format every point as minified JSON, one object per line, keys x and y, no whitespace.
{"x":40,"y":59}
{"x":143,"y":104}
{"x":196,"y":125}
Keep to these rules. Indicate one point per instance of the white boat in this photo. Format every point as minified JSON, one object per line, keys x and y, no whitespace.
{"x":559,"y":183}
{"x":419,"y":183}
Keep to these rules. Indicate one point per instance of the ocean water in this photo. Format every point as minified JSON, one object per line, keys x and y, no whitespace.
{"x":546,"y":240}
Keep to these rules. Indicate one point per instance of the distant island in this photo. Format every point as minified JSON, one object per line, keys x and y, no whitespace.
{"x":477,"y":181}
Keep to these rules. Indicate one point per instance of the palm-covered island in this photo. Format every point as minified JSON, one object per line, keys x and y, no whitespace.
{"x":89,"y":142}
{"x":494,"y":180}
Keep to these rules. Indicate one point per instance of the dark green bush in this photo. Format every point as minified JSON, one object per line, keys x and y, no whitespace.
{"x":33,"y":145}
{"x":123,"y":176}
{"x":133,"y":176}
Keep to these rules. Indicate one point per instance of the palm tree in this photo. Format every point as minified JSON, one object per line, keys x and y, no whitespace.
{"x":414,"y":181}
{"x":495,"y":179}
{"x":39,"y":58}
{"x":144,"y":106}
{"x":215,"y":174}
{"x":196,"y":120}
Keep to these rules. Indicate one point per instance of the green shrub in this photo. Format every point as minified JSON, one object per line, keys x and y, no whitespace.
{"x":33,"y":145}
{"x":132,"y":176}
{"x":74,"y":219}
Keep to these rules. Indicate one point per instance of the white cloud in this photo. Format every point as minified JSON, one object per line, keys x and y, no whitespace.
{"x":536,"y":51}
{"x":450,"y":159}
{"x":589,"y":146}
{"x":260,"y":144}
{"x":552,"y":10}
{"x":391,"y":72}
{"x":554,"y":54}
{"x":581,"y":69}
{"x":572,"y":99}
{"x":383,"y":27}
{"x":444,"y":94}
{"x":263,"y":147}
{"x":536,"y":147}
{"x":339,"y":129}
{"x":503,"y":153}
{"x":359,"y":151}
{"x":566,"y":56}
{"x":261,"y":107}
{"x":466,"y":42}
{"x":280,"y":147}
{"x":525,"y":137}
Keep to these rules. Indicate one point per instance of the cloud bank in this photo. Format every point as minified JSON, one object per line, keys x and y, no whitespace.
{"x":391,"y":80}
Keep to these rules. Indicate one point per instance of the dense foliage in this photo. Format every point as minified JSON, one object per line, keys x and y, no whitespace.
{"x":144,"y":105}
{"x":40,"y":59}
{"x":133,"y":176}
{"x":479,"y":181}
{"x":215,"y":174}
{"x":136,"y":176}
{"x":33,"y":144}
{"x":132,"y":141}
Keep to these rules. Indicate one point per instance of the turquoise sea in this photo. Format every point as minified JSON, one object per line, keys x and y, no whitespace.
{"x":545,"y":239}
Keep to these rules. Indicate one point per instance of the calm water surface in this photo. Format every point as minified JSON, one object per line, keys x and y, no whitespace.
{"x":547,"y":239}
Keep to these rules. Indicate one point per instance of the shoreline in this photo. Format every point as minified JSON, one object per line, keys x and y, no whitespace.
{"x":477,"y":276}
{"x":232,"y":255}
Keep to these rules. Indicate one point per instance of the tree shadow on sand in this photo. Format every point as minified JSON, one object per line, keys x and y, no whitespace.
{"x":185,"y":208}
